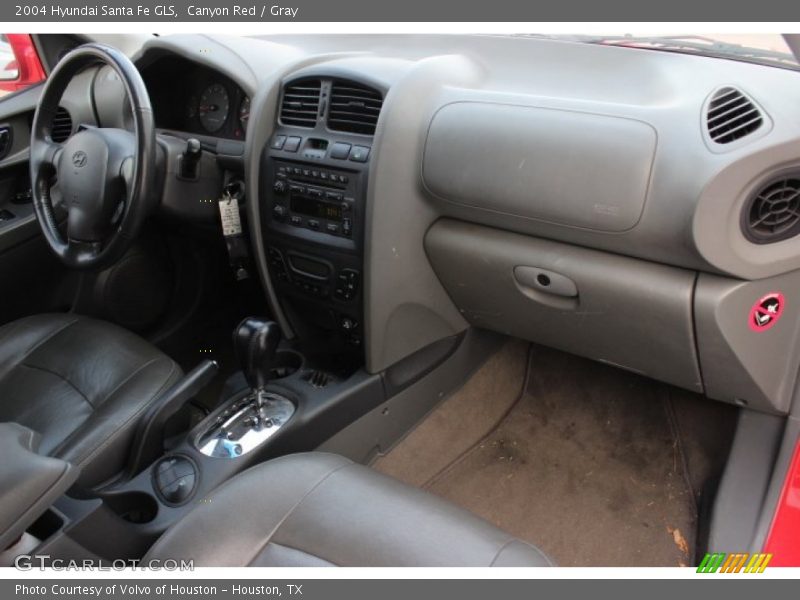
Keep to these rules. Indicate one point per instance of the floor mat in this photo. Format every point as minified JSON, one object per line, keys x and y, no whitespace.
{"x":461,"y":420}
{"x":586,"y":465}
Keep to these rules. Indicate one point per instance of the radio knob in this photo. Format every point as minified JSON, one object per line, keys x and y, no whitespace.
{"x":279,"y":187}
{"x":279,"y":212}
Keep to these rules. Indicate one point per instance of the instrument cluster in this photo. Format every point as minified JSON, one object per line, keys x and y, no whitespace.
{"x":195,"y":99}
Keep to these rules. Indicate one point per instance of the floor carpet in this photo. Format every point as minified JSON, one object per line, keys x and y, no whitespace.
{"x":588,"y":463}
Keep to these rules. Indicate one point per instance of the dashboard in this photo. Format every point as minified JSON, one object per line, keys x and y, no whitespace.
{"x":626,"y":205}
{"x":194,"y":99}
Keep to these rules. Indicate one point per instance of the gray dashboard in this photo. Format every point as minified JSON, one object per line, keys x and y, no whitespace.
{"x":500,"y":159}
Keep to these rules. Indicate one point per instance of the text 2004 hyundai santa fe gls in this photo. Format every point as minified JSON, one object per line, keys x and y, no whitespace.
{"x":400,"y":300}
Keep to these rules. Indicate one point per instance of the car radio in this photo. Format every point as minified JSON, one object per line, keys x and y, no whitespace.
{"x":320,"y":200}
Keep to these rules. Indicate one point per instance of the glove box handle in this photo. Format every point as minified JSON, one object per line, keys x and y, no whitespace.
{"x":546,"y":286}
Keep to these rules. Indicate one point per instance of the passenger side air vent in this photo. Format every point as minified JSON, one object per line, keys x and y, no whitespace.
{"x":774,"y":213}
{"x":300,"y":104}
{"x":354,"y":108}
{"x":731,"y":115}
{"x":61,"y":128}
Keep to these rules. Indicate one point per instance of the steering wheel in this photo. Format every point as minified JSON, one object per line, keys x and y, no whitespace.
{"x":105,"y":176}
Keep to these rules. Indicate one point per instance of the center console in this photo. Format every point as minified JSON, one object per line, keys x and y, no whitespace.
{"x":313,"y":193}
{"x":279,"y":403}
{"x":315,"y":232}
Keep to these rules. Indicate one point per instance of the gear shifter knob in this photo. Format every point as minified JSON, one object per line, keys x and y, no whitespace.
{"x":255,"y":341}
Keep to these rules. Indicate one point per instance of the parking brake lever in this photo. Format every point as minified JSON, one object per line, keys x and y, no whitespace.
{"x":149,"y":441}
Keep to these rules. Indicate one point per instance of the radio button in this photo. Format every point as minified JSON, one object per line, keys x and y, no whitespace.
{"x":332,"y":228}
{"x":313,"y":224}
{"x":279,"y":187}
{"x":359,"y":154}
{"x":335,"y":196}
{"x":347,"y":227}
{"x":277,"y":142}
{"x":297,"y":189}
{"x":292,"y":144}
{"x":279,"y":212}
{"x":314,"y":193}
{"x":295,"y":220}
{"x":340,"y":150}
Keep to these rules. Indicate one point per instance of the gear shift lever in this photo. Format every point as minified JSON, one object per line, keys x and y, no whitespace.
{"x":255,"y":341}
{"x":250,"y":418}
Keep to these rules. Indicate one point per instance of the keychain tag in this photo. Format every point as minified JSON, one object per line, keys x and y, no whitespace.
{"x":229,"y":214}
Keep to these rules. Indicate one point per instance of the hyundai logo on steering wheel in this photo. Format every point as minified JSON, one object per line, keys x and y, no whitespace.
{"x":79,"y":158}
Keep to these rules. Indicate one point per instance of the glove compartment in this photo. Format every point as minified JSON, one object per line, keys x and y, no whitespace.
{"x":622,"y":311}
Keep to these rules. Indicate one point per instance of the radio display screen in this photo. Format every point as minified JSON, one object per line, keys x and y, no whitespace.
{"x":315,"y":208}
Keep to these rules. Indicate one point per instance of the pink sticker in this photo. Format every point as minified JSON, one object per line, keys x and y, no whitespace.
{"x":766,"y":312}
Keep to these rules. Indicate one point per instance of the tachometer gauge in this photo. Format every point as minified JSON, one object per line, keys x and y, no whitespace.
{"x":214,"y":107}
{"x":244,"y":112}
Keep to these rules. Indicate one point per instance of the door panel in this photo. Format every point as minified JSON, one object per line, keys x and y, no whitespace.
{"x":31,"y":279}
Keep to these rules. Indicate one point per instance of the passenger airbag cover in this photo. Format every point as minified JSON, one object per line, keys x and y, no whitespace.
{"x":564,"y":167}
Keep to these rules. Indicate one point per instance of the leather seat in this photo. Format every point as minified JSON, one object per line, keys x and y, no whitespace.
{"x":323,"y":510}
{"x":81,"y":384}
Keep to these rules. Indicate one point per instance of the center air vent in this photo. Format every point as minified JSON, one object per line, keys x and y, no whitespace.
{"x":354,"y":108}
{"x":61,"y":127}
{"x":731,"y":115}
{"x":774,"y":213}
{"x":300,"y":104}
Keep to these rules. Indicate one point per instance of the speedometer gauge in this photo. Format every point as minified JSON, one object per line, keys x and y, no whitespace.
{"x":214,"y":107}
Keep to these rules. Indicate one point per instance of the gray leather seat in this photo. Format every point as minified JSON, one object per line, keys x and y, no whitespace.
{"x":323,"y":510}
{"x":81,"y":384}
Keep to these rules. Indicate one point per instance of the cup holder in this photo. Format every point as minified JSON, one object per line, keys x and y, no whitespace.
{"x":133,"y":507}
{"x":287,"y":362}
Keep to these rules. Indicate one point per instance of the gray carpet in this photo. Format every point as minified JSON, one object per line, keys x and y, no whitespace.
{"x":587,"y":464}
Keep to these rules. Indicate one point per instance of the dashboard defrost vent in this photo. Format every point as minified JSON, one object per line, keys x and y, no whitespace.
{"x":774,"y":212}
{"x":300,"y":104}
{"x":731,"y":115}
{"x":61,"y":127}
{"x":354,"y":108}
